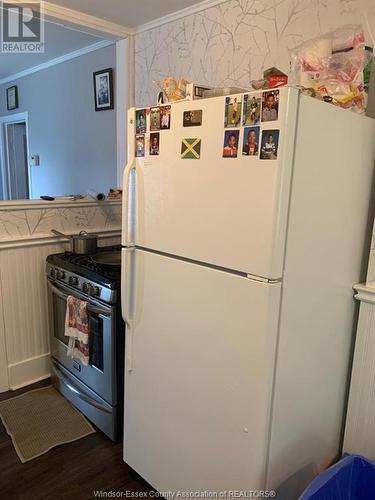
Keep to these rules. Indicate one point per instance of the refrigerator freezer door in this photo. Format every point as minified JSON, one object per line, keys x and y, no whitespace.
{"x":230,"y":212}
{"x":200,"y":349}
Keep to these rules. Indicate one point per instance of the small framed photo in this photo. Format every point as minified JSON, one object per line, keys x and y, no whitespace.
{"x":12,"y":98}
{"x":270,"y":144}
{"x":250,"y":141}
{"x":139,"y":146}
{"x":193,"y":118}
{"x":140,"y":121}
{"x":231,"y":139}
{"x":270,"y":106}
{"x":165,"y":117}
{"x":103,"y":89}
{"x":233,"y":107}
{"x":154,"y":119}
{"x":154,"y":143}
{"x":251,"y":109}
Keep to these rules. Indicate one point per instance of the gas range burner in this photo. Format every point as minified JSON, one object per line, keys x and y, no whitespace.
{"x":108,"y":267}
{"x":97,"y":275}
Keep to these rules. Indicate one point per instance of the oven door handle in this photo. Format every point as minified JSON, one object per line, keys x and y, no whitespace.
{"x":76,"y":391}
{"x":90,"y":307}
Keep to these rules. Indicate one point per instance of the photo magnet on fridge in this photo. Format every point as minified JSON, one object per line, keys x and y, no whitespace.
{"x":270,"y":144}
{"x":139,"y":146}
{"x":154,"y":143}
{"x":154,"y":119}
{"x":270,"y":106}
{"x":192,"y":118}
{"x":191,"y":148}
{"x":165,"y":117}
{"x":250,"y":141}
{"x":231,"y":138}
{"x":251,"y":109}
{"x":140,"y":121}
{"x":233,"y":106}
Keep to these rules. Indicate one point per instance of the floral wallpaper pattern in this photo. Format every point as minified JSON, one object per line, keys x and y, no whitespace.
{"x":232,"y":43}
{"x":38,"y":222}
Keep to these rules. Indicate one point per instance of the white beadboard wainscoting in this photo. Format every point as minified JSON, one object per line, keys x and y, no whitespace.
{"x":25,"y":242}
{"x":360,"y":421}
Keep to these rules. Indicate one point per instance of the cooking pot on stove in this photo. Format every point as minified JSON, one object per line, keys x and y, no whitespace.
{"x":82,"y":243}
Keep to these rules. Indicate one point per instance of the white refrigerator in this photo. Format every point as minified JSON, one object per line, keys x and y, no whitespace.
{"x":239,"y":255}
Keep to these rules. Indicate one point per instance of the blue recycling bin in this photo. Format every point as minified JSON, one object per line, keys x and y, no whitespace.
{"x":352,"y":478}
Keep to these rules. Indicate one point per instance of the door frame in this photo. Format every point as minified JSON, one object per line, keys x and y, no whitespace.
{"x":6,"y":120}
{"x":4,"y":373}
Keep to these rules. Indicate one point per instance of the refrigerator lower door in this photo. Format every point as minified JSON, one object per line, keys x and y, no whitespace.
{"x":200,"y":362}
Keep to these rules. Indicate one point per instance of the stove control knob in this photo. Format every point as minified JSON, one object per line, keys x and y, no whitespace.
{"x":73,"y":281}
{"x":62,"y":275}
{"x":86,"y":287}
{"x":52,"y":272}
{"x":95,"y":290}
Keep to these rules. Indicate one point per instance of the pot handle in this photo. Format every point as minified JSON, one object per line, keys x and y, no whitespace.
{"x":83,"y":233}
{"x":62,"y":235}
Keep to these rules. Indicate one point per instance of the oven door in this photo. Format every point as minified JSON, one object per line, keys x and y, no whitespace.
{"x":100,"y":374}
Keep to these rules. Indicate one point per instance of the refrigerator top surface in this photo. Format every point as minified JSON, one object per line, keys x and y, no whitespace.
{"x":241,"y":94}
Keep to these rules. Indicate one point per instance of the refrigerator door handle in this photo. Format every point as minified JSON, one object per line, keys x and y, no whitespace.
{"x":128,"y":193}
{"x":128,"y":302}
{"x":128,"y":215}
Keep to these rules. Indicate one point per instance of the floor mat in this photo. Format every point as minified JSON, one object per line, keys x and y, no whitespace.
{"x":39,"y":420}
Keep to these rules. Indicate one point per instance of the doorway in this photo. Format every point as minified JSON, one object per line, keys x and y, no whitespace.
{"x":15,"y":172}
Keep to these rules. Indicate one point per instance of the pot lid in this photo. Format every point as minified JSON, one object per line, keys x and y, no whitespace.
{"x":84,"y":235}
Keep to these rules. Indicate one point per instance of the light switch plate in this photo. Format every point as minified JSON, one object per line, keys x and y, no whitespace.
{"x":34,"y":160}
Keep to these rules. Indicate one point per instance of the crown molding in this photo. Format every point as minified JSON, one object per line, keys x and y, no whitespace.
{"x":100,"y":27}
{"x":179,"y":14}
{"x":80,"y":21}
{"x":58,"y":60}
{"x":93,"y":25}
{"x":365,"y":292}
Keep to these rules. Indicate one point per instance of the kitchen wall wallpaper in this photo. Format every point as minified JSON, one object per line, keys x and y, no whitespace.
{"x":17,"y":224}
{"x":233,"y":42}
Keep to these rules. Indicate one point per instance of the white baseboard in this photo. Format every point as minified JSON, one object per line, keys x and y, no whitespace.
{"x":29,"y":371}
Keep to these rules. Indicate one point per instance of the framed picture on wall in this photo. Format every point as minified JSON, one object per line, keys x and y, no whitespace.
{"x":12,"y":98}
{"x":103,"y":89}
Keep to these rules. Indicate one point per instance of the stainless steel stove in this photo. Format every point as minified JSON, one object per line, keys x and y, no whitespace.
{"x":96,"y":390}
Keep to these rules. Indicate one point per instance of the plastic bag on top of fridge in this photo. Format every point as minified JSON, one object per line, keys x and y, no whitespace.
{"x":331,"y":67}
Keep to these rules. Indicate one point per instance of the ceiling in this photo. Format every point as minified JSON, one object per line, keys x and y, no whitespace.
{"x":59,"y":41}
{"x":127,"y":12}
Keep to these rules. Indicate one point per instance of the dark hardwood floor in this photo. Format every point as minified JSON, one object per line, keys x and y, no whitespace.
{"x":73,"y":471}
